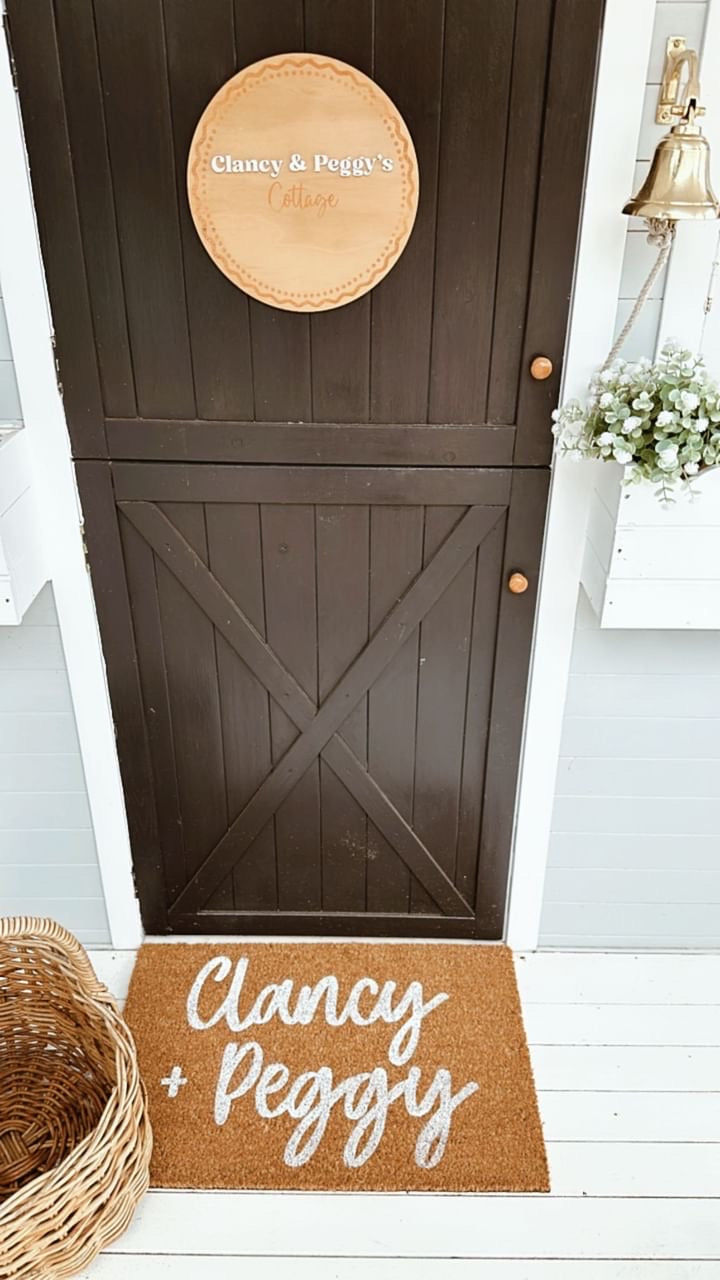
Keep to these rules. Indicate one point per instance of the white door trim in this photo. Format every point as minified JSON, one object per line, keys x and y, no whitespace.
{"x":30,"y":330}
{"x":625,"y":47}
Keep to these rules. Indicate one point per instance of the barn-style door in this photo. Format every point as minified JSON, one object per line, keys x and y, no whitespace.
{"x":301,"y":528}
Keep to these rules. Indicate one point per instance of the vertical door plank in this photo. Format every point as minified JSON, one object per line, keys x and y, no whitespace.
{"x":280,"y":339}
{"x":529,"y":70}
{"x":201,"y":57}
{"x":131,"y":41}
{"x":33,"y":38}
{"x":442,"y":690}
{"x":408,"y":66}
{"x":472,"y":158}
{"x":526,"y":518}
{"x":342,"y":585}
{"x":340,"y":339}
{"x":91,"y":163}
{"x":235,"y":558}
{"x":147,"y":624}
{"x":396,"y":539}
{"x":288,"y":539}
{"x":488,"y":584}
{"x":102,"y":536}
{"x":571,"y":83}
{"x":263,"y":29}
{"x":192,"y":676}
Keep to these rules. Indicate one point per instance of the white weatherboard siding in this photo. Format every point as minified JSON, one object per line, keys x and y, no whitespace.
{"x":635,"y":846}
{"x":9,"y":400}
{"x":634,"y":856}
{"x":48,"y":859}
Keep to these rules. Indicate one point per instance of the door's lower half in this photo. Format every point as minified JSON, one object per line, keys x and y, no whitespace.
{"x":318,"y":678}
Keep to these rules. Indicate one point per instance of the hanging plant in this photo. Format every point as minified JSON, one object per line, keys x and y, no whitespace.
{"x":660,"y":421}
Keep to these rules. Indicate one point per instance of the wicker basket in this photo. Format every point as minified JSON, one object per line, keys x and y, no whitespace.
{"x":75,"y":1140}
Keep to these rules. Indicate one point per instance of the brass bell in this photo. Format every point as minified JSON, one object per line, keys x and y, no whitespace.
{"x":678,"y":184}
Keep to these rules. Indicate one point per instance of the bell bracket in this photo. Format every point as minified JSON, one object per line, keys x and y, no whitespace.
{"x":671,"y":101}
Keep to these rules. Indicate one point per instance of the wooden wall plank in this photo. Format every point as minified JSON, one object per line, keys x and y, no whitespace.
{"x":302,"y":442}
{"x":442,"y":685}
{"x":527,"y":99}
{"x":280,"y":339}
{"x":408,"y":65}
{"x":397,"y":486}
{"x":150,"y":641}
{"x":395,"y":560}
{"x":342,"y":542}
{"x":526,"y":519}
{"x":192,"y":678}
{"x":288,"y":542}
{"x":571,"y":81}
{"x":34,"y":44}
{"x":118,"y":638}
{"x":84,"y":103}
{"x":131,"y":40}
{"x":340,"y":339}
{"x":235,"y":558}
{"x":469,"y":205}
{"x":488,"y":585}
{"x":200,"y":58}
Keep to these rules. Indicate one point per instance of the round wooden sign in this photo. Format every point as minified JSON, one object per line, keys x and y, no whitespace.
{"x":303,"y":182}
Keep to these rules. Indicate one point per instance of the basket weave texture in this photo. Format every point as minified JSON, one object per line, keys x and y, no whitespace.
{"x":75,"y":1140}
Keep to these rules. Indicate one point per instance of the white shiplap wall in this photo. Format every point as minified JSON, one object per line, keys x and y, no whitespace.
{"x":635,"y":847}
{"x":48,"y":860}
{"x":9,"y":400}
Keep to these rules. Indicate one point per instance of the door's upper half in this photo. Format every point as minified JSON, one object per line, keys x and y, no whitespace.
{"x":154,"y":342}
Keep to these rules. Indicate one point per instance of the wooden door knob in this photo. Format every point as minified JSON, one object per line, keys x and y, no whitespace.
{"x":541,"y":368}
{"x":517,"y":583}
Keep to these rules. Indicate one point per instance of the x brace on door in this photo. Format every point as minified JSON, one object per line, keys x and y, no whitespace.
{"x":319,"y":726}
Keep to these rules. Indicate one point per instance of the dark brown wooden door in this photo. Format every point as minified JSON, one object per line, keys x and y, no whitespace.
{"x":300,"y":528}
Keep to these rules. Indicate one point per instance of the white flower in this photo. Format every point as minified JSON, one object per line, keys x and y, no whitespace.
{"x":625,"y":407}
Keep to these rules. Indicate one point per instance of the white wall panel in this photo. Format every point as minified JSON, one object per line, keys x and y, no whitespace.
{"x":620,"y":695}
{"x":643,"y":737}
{"x":48,"y":858}
{"x":9,"y":400}
{"x":635,"y":847}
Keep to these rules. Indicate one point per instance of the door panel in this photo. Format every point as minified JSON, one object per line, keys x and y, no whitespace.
{"x":300,"y":527}
{"x":315,"y":678}
{"x":159,"y":352}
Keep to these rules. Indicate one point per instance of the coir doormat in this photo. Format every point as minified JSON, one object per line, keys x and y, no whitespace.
{"x":336,"y":1066}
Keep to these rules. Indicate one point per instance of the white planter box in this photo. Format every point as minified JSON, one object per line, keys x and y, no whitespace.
{"x":648,"y":565}
{"x":22,"y":571}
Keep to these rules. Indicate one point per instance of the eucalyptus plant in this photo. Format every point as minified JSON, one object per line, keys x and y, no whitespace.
{"x":660,"y":420}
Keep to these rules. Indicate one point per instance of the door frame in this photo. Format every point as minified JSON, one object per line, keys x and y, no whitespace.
{"x":602,"y":236}
{"x":624,"y":53}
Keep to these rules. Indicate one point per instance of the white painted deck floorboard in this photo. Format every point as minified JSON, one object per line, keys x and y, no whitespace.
{"x":626,"y":1054}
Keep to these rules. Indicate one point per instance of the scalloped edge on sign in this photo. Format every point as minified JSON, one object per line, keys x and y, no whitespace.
{"x":217,"y":250}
